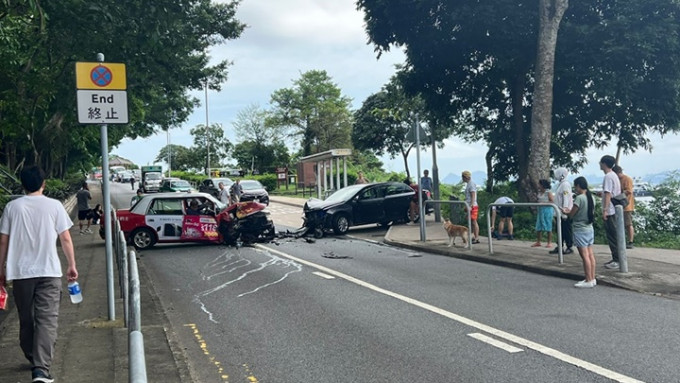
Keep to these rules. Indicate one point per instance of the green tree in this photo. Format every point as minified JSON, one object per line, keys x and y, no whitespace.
{"x":261,"y":145}
{"x":179,"y":156}
{"x":209,"y":142}
{"x":316,"y":111}
{"x":164,"y":49}
{"x":264,"y":158}
{"x":615,"y":77}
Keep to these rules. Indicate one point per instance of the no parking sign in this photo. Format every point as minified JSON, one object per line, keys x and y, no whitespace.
{"x":102,"y":98}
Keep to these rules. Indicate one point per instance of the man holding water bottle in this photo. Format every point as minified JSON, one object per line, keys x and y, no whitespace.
{"x":29,"y":229}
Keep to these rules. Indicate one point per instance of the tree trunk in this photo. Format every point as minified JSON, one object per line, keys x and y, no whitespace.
{"x":550,"y":13}
{"x":517,"y":92}
{"x":489,"y":170}
{"x":405,"y":156}
{"x":435,"y":181}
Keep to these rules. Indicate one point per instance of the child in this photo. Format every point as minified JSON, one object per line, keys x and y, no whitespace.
{"x":96,"y":214}
{"x":545,"y":213}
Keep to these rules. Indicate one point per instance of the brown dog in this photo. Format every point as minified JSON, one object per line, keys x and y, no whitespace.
{"x":455,"y":231}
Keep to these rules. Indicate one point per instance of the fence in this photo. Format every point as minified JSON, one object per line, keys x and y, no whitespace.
{"x":128,"y":279}
{"x":560,"y":256}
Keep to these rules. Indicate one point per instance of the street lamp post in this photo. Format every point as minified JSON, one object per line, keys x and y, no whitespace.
{"x":207,"y":126}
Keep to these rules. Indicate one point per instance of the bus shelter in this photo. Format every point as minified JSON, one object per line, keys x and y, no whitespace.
{"x":327,"y":172}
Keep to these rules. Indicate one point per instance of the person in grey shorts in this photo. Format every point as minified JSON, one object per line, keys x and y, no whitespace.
{"x":29,"y":229}
{"x":582,"y":215}
{"x":83,"y":197}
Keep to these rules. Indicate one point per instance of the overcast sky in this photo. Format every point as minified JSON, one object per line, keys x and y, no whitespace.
{"x":285,"y":38}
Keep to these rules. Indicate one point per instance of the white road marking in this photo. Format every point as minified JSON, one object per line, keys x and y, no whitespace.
{"x":322,"y":275}
{"x":495,"y":343}
{"x":609,"y":374}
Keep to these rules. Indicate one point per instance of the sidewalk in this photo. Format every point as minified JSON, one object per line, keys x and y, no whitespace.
{"x":90,"y":348}
{"x":651,"y":271}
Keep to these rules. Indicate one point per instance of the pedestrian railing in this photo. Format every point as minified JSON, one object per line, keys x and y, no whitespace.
{"x":128,"y":278}
{"x":528,"y":204}
{"x":467,"y":209}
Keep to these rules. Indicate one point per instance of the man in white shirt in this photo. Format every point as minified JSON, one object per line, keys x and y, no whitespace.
{"x":223,"y":194}
{"x":505,"y":213}
{"x":611,"y":186}
{"x":29,"y":229}
{"x":471,"y":199}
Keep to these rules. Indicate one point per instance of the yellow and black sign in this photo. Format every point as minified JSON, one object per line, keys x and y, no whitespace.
{"x":100,"y":76}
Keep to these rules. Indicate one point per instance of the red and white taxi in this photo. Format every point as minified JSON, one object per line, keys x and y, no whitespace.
{"x":168,"y":218}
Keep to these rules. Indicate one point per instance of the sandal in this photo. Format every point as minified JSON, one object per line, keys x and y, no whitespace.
{"x":537,"y":244}
{"x":548,"y":246}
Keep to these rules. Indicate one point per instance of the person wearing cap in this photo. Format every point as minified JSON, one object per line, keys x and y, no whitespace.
{"x":611,"y":186}
{"x":564,"y":200}
{"x":471,"y":199}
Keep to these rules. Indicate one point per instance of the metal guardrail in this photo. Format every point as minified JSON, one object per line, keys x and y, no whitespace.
{"x":528,"y":204}
{"x":128,"y":278}
{"x":467,"y":208}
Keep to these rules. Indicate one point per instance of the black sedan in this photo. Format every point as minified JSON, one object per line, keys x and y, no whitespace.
{"x":355,"y":205}
{"x":211,"y":185}
{"x":254,"y":191}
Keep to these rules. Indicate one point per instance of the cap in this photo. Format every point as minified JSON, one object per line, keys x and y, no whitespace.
{"x":467,"y":174}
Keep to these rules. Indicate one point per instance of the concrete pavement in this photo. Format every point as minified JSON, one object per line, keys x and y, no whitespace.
{"x":91,"y":348}
{"x":651,"y":271}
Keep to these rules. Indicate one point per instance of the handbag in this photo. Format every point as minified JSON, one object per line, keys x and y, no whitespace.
{"x":620,"y":200}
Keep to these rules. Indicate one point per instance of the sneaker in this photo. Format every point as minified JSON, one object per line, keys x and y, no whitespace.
{"x":555,"y":251}
{"x":584,"y":281}
{"x":511,"y":237}
{"x":585,"y":285}
{"x":629,"y":245}
{"x":611,"y":265}
{"x":475,"y":241}
{"x":41,"y":376}
{"x":88,"y":231}
{"x":568,"y":251}
{"x":82,"y":232}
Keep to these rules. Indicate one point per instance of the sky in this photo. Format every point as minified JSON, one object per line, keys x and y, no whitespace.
{"x":286,"y":38}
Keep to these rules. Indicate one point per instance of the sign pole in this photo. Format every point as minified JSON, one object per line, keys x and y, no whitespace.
{"x":107,"y":213}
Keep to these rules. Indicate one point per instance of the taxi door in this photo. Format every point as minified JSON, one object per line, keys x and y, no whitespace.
{"x":165,"y":216}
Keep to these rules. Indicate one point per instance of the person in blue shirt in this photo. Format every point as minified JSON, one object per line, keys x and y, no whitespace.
{"x":426,"y":181}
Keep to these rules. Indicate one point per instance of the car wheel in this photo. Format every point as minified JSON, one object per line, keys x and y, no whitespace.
{"x":340,"y":224}
{"x":143,"y":239}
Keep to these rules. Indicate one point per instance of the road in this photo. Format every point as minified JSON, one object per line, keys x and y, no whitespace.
{"x":343,"y":309}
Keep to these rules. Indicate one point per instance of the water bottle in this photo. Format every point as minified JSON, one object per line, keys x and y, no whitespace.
{"x":74,"y":292}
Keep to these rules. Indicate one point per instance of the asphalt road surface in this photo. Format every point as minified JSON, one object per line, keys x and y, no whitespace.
{"x":343,"y":309}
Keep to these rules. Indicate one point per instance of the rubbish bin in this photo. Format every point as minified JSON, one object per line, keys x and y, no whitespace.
{"x":456,"y":211}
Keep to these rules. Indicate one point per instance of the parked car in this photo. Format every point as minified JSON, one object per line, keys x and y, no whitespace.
{"x":163,"y":218}
{"x":125,"y":176}
{"x":383,"y":203}
{"x":254,"y":191}
{"x":174,"y":185}
{"x":210,"y":185}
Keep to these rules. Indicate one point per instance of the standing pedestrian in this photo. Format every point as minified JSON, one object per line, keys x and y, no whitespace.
{"x":471,"y":199}
{"x":611,"y":186}
{"x":627,"y":189}
{"x":545,"y":213}
{"x":29,"y":229}
{"x":132,"y":181}
{"x":236,"y":191}
{"x":413,"y":211}
{"x":582,"y":213}
{"x":505,"y":212}
{"x":223,"y":194}
{"x":564,"y":199}
{"x":361,"y":179}
{"x":426,"y":181}
{"x":83,"y":196}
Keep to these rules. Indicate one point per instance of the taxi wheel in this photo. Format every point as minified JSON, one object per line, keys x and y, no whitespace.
{"x":143,"y":239}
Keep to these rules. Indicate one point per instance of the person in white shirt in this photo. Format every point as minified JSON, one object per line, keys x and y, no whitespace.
{"x":564,"y":199}
{"x":505,"y":212}
{"x":611,"y":186}
{"x":223,"y":194}
{"x":471,"y":199}
{"x":29,"y":229}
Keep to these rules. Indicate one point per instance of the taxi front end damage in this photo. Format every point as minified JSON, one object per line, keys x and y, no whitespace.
{"x":245,"y":222}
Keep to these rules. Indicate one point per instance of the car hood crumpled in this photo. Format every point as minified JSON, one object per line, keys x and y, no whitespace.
{"x":317,"y":204}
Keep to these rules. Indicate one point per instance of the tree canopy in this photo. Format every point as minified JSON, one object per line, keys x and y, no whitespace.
{"x":316,"y":111}
{"x":615,"y":77}
{"x":165,"y":49}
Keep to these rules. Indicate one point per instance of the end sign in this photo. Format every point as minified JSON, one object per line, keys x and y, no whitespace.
{"x":102,"y":98}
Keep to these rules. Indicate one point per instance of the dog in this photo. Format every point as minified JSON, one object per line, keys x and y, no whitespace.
{"x":455,"y":231}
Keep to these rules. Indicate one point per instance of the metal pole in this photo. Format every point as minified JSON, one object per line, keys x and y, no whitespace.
{"x":337,"y":173}
{"x":621,"y":239}
{"x":107,"y":214}
{"x":319,"y":164}
{"x":169,"y":154}
{"x":420,"y":192}
{"x":344,"y":171}
{"x":207,"y":126}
